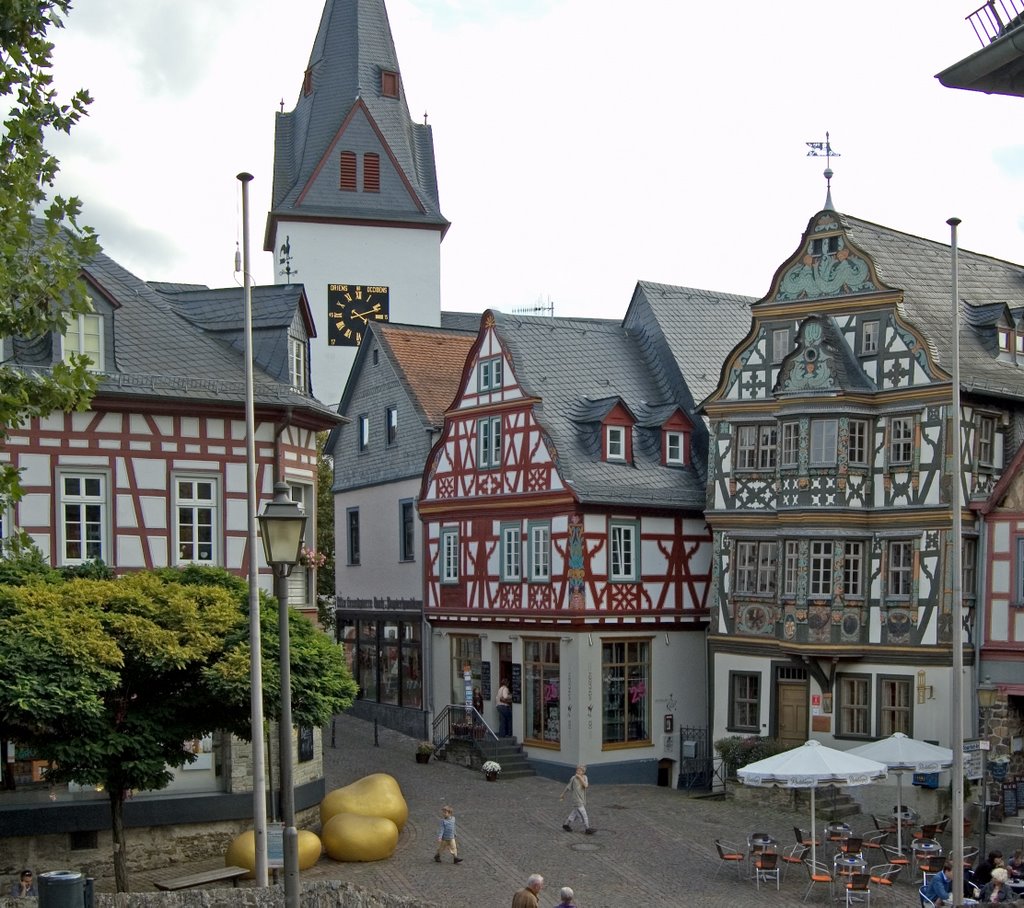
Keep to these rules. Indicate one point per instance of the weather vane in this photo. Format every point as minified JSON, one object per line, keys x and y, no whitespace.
{"x":817,"y":149}
{"x":285,"y":258}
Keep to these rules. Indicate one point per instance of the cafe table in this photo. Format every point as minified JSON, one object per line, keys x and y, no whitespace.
{"x":849,"y":864}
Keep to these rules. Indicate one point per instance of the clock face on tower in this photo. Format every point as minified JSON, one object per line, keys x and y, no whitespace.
{"x":350,"y":309}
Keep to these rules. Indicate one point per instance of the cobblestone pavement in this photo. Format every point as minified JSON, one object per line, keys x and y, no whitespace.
{"x":653,"y":846}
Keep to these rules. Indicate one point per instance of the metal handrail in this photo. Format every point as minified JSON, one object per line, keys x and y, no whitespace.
{"x":463,"y":723}
{"x":995,"y":18}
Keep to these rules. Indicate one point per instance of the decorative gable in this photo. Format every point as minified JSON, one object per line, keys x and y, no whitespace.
{"x":359,"y":160}
{"x":826,"y":265}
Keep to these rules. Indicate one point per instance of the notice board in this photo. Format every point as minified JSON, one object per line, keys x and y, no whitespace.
{"x":517,"y":682}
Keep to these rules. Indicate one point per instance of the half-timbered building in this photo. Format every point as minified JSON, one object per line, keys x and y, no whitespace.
{"x":829,"y":486}
{"x":565,"y":548}
{"x":153,"y":475}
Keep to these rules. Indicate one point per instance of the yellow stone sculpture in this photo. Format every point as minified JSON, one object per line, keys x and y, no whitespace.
{"x":377,"y":795}
{"x":350,"y":837}
{"x":242,"y":851}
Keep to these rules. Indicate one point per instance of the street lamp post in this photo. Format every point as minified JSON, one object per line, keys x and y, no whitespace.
{"x":282,"y":525}
{"x":987,"y":692}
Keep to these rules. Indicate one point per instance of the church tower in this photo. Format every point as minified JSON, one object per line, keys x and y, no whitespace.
{"x":355,"y":215}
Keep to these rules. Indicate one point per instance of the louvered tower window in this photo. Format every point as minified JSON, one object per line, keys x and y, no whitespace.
{"x":371,"y":172}
{"x":389,"y":83}
{"x":348,"y":171}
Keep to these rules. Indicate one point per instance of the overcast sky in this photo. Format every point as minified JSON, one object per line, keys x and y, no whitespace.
{"x":581,"y":145}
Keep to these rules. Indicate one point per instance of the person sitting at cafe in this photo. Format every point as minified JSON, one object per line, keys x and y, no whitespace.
{"x":1016,"y":865}
{"x":997,"y":889}
{"x":983,"y":872}
{"x":939,"y":885}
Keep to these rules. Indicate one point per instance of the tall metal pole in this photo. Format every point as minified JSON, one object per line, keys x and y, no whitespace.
{"x":957,"y":699}
{"x":291,"y":835}
{"x":259,"y":762}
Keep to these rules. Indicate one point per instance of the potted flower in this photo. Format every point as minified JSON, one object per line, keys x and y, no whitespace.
{"x":423,"y":751}
{"x":490,"y":770}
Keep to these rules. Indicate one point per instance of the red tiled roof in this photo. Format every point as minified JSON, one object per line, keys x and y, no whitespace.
{"x":431,"y":361}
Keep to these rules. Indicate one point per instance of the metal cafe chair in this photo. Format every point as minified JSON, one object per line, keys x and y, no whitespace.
{"x":730,"y":854}
{"x":818,"y":873}
{"x":858,"y":889}
{"x":766,"y":866}
{"x":795,"y":855}
{"x":883,"y":876}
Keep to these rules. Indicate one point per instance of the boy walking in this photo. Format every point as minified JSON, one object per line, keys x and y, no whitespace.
{"x":446,"y":836}
{"x":577,"y":787}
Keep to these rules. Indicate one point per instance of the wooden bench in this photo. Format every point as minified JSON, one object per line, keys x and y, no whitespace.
{"x":217,"y":875}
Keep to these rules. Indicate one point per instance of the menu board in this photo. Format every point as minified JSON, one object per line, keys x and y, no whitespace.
{"x":517,"y":682}
{"x":1009,"y":799}
{"x":485,"y":680}
{"x":1020,"y":791}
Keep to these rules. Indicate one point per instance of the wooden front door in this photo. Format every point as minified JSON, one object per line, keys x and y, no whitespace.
{"x":792,"y":713}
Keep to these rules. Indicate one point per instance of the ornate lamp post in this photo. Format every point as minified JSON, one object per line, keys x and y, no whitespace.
{"x":282,"y":525}
{"x":987,"y":693}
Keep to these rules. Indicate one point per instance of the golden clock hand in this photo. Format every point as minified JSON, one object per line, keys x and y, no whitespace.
{"x":362,"y":315}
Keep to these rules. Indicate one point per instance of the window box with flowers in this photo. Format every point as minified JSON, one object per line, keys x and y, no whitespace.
{"x":491,"y":769}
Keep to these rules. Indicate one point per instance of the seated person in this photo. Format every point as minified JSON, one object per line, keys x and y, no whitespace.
{"x":1016,"y":865}
{"x":983,"y":872}
{"x":937,"y":890}
{"x":997,"y":890}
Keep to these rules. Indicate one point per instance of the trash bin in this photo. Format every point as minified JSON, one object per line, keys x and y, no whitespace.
{"x":61,"y":889}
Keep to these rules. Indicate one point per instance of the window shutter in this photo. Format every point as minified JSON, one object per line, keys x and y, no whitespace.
{"x":348,"y":171}
{"x":371,"y":172}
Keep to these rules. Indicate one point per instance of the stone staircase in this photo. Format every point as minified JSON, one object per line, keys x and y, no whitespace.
{"x":831,"y":803}
{"x":514,"y":762}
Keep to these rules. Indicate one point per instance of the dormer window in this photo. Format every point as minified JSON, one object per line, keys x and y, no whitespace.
{"x":1004,"y":339}
{"x":389,"y":83}
{"x":824,"y":245}
{"x":489,"y":374}
{"x":675,"y":448}
{"x":1019,"y":337}
{"x":297,"y":363}
{"x":85,"y":338}
{"x":615,"y":442}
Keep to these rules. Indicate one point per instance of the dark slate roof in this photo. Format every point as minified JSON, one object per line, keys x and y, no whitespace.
{"x":352,"y":46}
{"x":221,"y":313}
{"x":428,"y":362}
{"x":579,"y":368}
{"x":159,"y":354}
{"x":699,"y":328}
{"x":921,"y":269}
{"x":460,"y":321}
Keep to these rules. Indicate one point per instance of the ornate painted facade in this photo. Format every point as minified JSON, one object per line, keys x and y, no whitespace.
{"x":829,"y":486}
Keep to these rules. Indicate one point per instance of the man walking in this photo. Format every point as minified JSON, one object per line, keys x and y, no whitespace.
{"x":527,"y":896}
{"x":577,"y":787}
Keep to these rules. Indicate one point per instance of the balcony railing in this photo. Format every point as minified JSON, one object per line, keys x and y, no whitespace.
{"x":996,"y":18}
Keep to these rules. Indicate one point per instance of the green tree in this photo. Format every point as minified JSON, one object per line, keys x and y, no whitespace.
{"x":325,"y":541}
{"x":42,"y":245}
{"x":120,"y":673}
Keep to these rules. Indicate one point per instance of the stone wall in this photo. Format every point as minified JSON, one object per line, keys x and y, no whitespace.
{"x":148,"y":848}
{"x":321,"y":894}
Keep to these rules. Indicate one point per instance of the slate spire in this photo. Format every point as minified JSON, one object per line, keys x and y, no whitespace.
{"x":352,"y":97}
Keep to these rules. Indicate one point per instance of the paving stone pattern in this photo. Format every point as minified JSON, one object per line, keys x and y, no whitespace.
{"x":653,"y":847}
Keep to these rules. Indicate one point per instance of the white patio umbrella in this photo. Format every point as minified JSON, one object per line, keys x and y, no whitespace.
{"x":808,"y":766}
{"x":902,"y":754}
